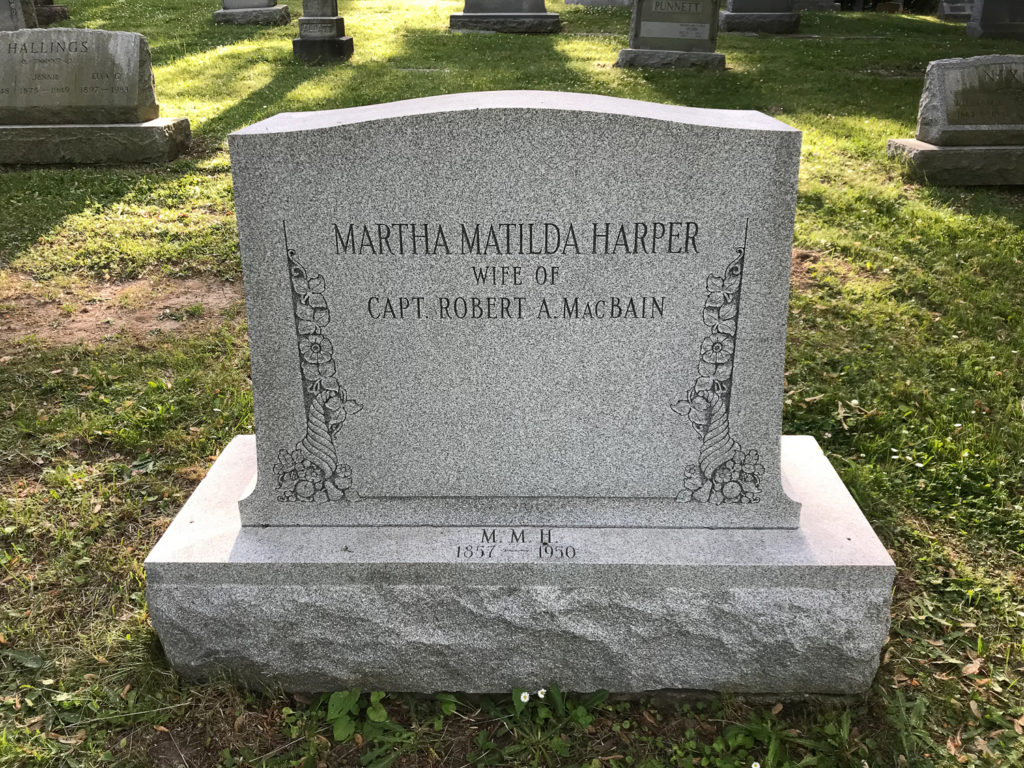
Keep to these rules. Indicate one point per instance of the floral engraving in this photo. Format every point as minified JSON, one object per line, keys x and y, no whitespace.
{"x":724,"y":472}
{"x":311,"y":471}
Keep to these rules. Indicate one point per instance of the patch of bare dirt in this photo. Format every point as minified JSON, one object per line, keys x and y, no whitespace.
{"x":800,"y":277}
{"x":91,"y":313}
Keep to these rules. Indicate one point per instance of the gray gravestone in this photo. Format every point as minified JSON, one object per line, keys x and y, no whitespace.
{"x":524,"y":402}
{"x":513,"y":16}
{"x":89,"y":91}
{"x":321,"y":33}
{"x":776,"y":17}
{"x":955,"y":11}
{"x":673,"y":33}
{"x":260,"y":12}
{"x":970,"y":124}
{"x":997,"y":18}
{"x":11,"y":15}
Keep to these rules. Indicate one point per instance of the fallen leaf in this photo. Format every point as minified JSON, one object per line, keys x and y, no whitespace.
{"x":975,"y":708}
{"x":124,"y":691}
{"x":160,"y":728}
{"x":777,"y":708}
{"x":972,"y":668}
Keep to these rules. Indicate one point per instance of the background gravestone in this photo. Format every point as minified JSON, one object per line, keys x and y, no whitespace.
{"x":515,"y":16}
{"x":81,"y":96}
{"x":997,"y":18}
{"x":11,"y":15}
{"x":47,"y":13}
{"x":321,"y":33}
{"x":970,"y":124}
{"x":955,"y":11}
{"x":265,"y":12}
{"x":673,"y":33}
{"x":778,"y":17}
{"x":516,"y":402}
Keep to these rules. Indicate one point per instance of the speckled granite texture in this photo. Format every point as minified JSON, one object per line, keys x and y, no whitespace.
{"x":311,"y":609}
{"x":156,"y":141}
{"x":579,"y":411}
{"x":108,"y":77}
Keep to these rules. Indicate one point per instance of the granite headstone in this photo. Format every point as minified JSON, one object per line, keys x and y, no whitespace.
{"x":258,"y":12}
{"x":89,"y":92}
{"x":322,"y":35}
{"x":11,"y":15}
{"x":777,"y":17}
{"x":955,"y":11}
{"x":673,"y":33}
{"x":513,"y":16}
{"x":970,"y":123}
{"x":517,"y":401}
{"x":997,"y":18}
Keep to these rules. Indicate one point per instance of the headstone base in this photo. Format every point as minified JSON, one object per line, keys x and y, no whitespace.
{"x":961,"y":166}
{"x":156,"y":141}
{"x":424,"y":608}
{"x":1012,"y":30}
{"x":51,"y":14}
{"x":648,"y":57}
{"x":516,"y":23}
{"x":322,"y":49}
{"x":602,"y":3}
{"x":769,"y":23}
{"x":273,"y":16}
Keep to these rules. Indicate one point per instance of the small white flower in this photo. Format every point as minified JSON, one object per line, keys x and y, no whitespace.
{"x":918,"y":464}
{"x":524,"y":697}
{"x":542,"y":693}
{"x":755,"y":765}
{"x":855,"y":402}
{"x":958,"y":425}
{"x":952,"y":389}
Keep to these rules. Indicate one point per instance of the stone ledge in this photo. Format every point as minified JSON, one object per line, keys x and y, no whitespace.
{"x":274,"y":16}
{"x":648,"y":57}
{"x":515,"y":23}
{"x":156,"y":141}
{"x":402,"y":608}
{"x":320,"y":50}
{"x":960,"y":166}
{"x":769,"y":23}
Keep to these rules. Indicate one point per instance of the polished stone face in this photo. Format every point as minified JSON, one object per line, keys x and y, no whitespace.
{"x":517,"y":308}
{"x":70,"y":76}
{"x":674,"y":25}
{"x":977,"y":101}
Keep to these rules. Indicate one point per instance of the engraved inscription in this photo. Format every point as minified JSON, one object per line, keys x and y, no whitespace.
{"x":518,"y":544}
{"x":989,"y":95}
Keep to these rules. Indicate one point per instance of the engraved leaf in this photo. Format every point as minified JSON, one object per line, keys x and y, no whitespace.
{"x":352,"y":406}
{"x":728,"y":311}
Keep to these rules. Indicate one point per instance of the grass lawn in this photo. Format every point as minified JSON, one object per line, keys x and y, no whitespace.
{"x":123,"y":371}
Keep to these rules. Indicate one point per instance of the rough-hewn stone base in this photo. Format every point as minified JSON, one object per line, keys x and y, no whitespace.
{"x":515,"y":23}
{"x":960,"y":166}
{"x":432,"y":608}
{"x":768,"y":23}
{"x":156,"y":141}
{"x":273,"y":16}
{"x":322,"y":49}
{"x":602,"y":3}
{"x":647,"y":57}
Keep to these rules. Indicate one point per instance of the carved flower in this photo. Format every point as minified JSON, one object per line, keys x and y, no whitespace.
{"x":317,"y":371}
{"x":316,"y":348}
{"x":731,"y":491}
{"x":303,"y":284}
{"x":717,"y":348}
{"x":311,"y":319}
{"x":693,"y":479}
{"x":700,"y":409}
{"x":750,"y":463}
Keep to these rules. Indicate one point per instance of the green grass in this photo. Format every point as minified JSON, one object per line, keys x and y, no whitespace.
{"x":904,"y":359}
